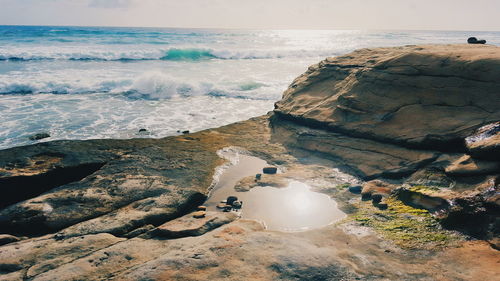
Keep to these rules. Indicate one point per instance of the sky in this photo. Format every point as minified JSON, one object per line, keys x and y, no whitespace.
{"x":477,"y":15}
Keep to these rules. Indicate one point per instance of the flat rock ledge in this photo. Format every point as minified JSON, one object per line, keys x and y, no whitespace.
{"x":188,"y":225}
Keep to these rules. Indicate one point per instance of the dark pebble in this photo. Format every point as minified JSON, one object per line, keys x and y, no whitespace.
{"x":366,"y":196}
{"x":39,"y":136}
{"x":270,"y":170}
{"x":231,"y":199}
{"x":355,"y":189}
{"x":377,"y":198}
{"x":382,"y":206}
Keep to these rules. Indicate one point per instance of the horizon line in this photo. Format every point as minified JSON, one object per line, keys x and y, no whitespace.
{"x":248,"y":28}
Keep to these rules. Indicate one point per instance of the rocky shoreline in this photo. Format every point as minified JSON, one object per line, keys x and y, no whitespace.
{"x":405,"y":139}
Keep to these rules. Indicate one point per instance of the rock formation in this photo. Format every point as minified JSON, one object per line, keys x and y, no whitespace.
{"x":414,"y":129}
{"x":418,"y":96}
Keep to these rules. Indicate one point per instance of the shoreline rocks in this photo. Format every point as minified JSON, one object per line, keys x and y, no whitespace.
{"x":39,"y":136}
{"x":124,"y":209}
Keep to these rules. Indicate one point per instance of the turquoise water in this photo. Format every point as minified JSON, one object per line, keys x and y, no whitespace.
{"x":101,"y":82}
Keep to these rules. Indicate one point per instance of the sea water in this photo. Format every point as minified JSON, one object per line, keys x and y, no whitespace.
{"x":107,"y":82}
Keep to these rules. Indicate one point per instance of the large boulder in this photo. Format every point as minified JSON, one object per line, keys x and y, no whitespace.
{"x":422,"y":96}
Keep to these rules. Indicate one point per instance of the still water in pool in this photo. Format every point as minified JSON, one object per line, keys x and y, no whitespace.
{"x":292,"y":208}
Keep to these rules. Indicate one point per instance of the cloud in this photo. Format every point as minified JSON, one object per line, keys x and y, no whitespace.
{"x":110,"y":3}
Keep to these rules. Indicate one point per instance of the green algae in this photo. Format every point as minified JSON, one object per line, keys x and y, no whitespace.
{"x":408,"y":227}
{"x":424,"y":189}
{"x":343,"y":186}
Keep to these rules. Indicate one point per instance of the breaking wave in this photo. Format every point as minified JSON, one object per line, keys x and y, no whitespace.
{"x":150,"y":85}
{"x":172,"y":54}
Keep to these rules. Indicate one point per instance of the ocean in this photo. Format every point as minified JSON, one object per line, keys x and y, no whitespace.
{"x":110,"y":82}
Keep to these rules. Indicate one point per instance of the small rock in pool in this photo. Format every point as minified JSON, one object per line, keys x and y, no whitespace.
{"x":377,"y":198}
{"x":237,"y":204}
{"x":382,"y":206}
{"x":366,"y":196}
{"x":270,"y":170}
{"x":231,"y":199}
{"x":355,"y":189}
{"x":258,"y":177}
{"x":39,"y":136}
{"x":199,"y":214}
{"x":221,"y":205}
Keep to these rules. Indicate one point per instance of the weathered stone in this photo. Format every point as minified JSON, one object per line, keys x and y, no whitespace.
{"x":199,"y":214}
{"x":485,"y":142}
{"x":377,"y":186}
{"x":138,"y":231}
{"x":421,"y":200}
{"x":35,"y":256}
{"x":424,"y":96}
{"x":6,"y":239}
{"x":365,"y":158}
{"x":432,"y":176}
{"x":466,"y":165}
{"x":190,"y":225}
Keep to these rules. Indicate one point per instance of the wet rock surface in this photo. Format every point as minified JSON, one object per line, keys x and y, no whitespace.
{"x":39,"y":136}
{"x":123,"y":209}
{"x":485,"y":142}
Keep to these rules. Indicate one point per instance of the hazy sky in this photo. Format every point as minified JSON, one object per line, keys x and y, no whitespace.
{"x":274,"y":14}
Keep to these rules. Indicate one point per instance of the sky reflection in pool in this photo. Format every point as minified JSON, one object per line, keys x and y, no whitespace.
{"x":293,"y":208}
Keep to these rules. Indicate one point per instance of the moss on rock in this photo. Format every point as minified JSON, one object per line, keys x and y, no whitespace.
{"x":408,"y":227}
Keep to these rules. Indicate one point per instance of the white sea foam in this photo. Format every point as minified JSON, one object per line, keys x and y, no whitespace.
{"x":96,"y":82}
{"x":161,"y":80}
{"x":110,"y":116}
{"x":97,"y":53}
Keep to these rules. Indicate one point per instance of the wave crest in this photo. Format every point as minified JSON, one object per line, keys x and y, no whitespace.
{"x":153,"y":85}
{"x":172,"y":54}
